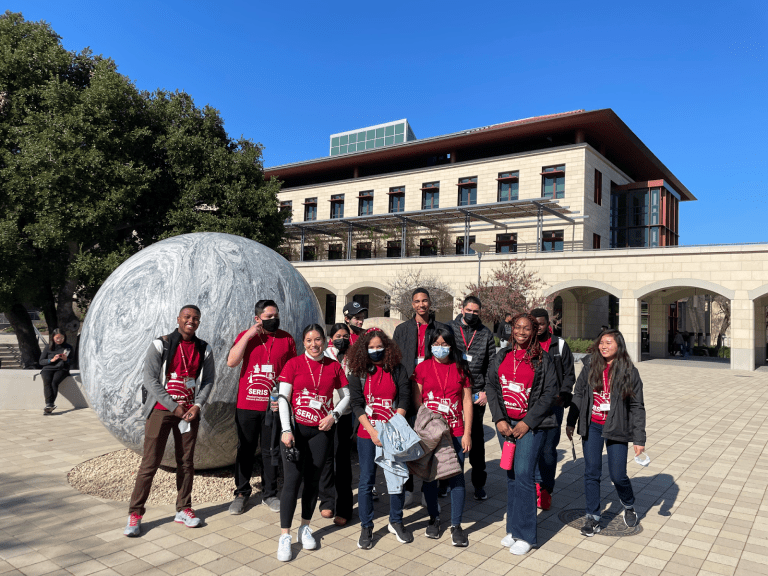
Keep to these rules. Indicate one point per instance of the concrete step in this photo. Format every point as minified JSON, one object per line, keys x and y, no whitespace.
{"x":10,"y":356}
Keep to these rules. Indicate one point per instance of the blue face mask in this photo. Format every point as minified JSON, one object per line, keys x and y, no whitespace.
{"x":376,"y":354}
{"x":440,"y":351}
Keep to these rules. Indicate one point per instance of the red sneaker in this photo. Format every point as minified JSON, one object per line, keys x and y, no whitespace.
{"x":545,"y":500}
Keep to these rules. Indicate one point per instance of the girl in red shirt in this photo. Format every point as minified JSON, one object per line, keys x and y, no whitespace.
{"x":379,"y":388}
{"x":307,"y":382}
{"x":444,"y":385}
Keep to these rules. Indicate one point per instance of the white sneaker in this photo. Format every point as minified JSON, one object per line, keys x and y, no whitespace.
{"x":188,"y":518}
{"x":408,"y":499}
{"x":284,"y":548}
{"x":424,"y":503}
{"x":507,"y":541}
{"x":520,"y":548}
{"x":305,"y":537}
{"x":133,"y":528}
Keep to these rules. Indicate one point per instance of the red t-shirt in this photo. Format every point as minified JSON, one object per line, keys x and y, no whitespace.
{"x":352,"y":337}
{"x":442,"y":390}
{"x":602,"y":400}
{"x":546,"y":344}
{"x":184,"y":364}
{"x":516,"y":379}
{"x":313,"y":385}
{"x":379,"y":390}
{"x":422,"y":345}
{"x":263,"y":359}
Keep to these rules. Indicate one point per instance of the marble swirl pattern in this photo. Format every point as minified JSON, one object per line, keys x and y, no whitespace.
{"x":224,"y":275}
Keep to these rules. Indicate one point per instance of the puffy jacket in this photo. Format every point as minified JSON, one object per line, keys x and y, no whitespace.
{"x":439,"y":460}
{"x":562,"y":359}
{"x":482,"y":349}
{"x":406,"y":337}
{"x":540,"y":401}
{"x":626,"y":419}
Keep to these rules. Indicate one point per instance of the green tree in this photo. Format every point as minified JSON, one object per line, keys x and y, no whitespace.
{"x":92,"y":170}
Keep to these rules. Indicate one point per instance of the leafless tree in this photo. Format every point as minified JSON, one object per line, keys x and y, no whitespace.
{"x":400,"y":288}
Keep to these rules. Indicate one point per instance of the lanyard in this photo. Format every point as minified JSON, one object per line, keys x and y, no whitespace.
{"x":369,"y":382}
{"x":421,"y":346}
{"x":606,"y":383}
{"x":312,"y":374}
{"x":444,"y":384}
{"x":184,"y":360}
{"x":467,"y":346}
{"x":516,"y":364}
{"x":269,"y":352}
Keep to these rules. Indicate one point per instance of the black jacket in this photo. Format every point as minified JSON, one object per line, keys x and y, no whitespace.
{"x":406,"y":337}
{"x":626,"y":419}
{"x":564,"y":368}
{"x":504,"y":331}
{"x":542,"y":396}
{"x":482,"y":350}
{"x":50,"y":351}
{"x":402,"y":395}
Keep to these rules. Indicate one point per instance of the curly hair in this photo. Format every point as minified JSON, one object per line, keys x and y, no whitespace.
{"x":534,"y":351}
{"x":358,"y":360}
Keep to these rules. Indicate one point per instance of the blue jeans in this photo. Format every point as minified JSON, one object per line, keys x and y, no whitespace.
{"x":457,"y":489}
{"x":366,"y":451}
{"x":592,"y":447}
{"x":545,"y":471}
{"x":521,"y":487}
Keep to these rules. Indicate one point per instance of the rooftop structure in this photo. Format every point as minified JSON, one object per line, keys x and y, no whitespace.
{"x":371,"y":138}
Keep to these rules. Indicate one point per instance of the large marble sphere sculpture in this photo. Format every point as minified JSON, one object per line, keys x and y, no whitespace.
{"x":224,"y":276}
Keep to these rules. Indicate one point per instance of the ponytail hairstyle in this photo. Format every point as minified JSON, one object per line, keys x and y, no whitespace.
{"x":312,"y":328}
{"x":453,"y":355}
{"x":360,"y":363}
{"x":620,"y":374}
{"x":534,"y":352}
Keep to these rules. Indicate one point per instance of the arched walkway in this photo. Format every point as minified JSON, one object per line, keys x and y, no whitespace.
{"x":587,"y":307}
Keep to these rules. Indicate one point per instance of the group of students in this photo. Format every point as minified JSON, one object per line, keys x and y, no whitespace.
{"x":304,"y":409}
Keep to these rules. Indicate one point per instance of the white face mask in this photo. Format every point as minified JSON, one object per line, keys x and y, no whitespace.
{"x":440,"y":352}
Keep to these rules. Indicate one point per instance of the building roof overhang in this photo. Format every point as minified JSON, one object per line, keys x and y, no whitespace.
{"x":603,"y":129}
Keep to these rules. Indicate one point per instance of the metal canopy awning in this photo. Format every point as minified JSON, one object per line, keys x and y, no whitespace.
{"x":493,"y":214}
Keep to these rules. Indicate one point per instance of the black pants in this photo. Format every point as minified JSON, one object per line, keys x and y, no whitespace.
{"x":336,"y":479}
{"x":313,"y":446}
{"x":51,"y":381}
{"x":250,"y":427}
{"x":477,"y":454}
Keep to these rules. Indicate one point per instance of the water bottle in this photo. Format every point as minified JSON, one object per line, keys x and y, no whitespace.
{"x":273,"y":395}
{"x":508,"y":453}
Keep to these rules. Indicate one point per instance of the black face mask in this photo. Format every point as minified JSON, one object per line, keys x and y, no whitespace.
{"x":341,"y":344}
{"x":355,"y":329}
{"x":472,"y":319}
{"x":271,"y":325}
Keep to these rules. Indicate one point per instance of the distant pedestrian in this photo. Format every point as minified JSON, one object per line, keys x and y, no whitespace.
{"x":178,"y":377}
{"x":55,"y":362}
{"x":504,"y":331}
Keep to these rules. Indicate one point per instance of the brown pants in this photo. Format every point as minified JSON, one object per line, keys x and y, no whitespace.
{"x":159,"y":424}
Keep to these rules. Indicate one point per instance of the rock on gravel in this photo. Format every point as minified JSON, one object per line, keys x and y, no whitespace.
{"x":112,"y":477}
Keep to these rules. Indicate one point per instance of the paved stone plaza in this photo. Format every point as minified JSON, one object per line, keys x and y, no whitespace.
{"x":701,"y":503}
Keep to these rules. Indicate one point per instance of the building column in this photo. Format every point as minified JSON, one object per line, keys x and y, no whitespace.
{"x":571,"y":315}
{"x":658,"y":327}
{"x":629,"y":324}
{"x":742,"y":332}
{"x":760,"y":338}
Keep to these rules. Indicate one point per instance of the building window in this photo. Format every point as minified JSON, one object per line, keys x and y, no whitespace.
{"x":309,"y":253}
{"x":363,"y":250}
{"x":337,"y":206}
{"x":369,"y":139}
{"x":335,"y":251}
{"x":310,"y":209}
{"x":286,"y":207}
{"x":393,"y":249}
{"x":430,"y":195}
{"x":468,"y":191}
{"x":363,"y":300}
{"x":595,"y":241}
{"x":598,"y":188}
{"x":428,"y":247}
{"x":553,"y":181}
{"x":365,"y":207}
{"x":506,"y":243}
{"x":508,"y":186}
{"x":460,"y":245}
{"x":552,"y":241}
{"x":330,"y":308}
{"x":397,"y":199}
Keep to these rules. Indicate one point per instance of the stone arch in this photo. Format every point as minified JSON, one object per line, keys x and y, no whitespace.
{"x":758,"y":292}
{"x":324,"y":285}
{"x":365,"y":284}
{"x":684,"y":283}
{"x":582,"y":283}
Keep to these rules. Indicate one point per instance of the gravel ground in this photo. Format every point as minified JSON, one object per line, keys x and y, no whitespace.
{"x":112,"y":476}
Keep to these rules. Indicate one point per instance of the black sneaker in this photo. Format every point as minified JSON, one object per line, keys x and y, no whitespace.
{"x":49,"y":409}
{"x":590,"y":528}
{"x":458,"y":537}
{"x":402,"y":535}
{"x":433,"y":529}
{"x":238,"y":505}
{"x":480,"y":494}
{"x":366,"y":538}
{"x":630,"y":517}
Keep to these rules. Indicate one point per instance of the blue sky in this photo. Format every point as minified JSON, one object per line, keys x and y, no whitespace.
{"x":689,"y":78}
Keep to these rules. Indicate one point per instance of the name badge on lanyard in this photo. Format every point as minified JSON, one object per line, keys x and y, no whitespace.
{"x":605,"y":407}
{"x":315,"y":404}
{"x":189,"y":383}
{"x":444,"y":408}
{"x":266,"y":368}
{"x":369,"y":411}
{"x":467,"y":357}
{"x":419,"y":360}
{"x":515,"y":387}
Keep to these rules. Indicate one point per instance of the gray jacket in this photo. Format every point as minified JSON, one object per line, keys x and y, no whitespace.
{"x":155,"y":373}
